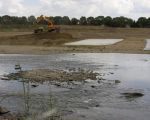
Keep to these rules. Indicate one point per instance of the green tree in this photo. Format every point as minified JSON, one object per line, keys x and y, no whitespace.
{"x":90,"y":21}
{"x":148,"y":22}
{"x":74,"y":21}
{"x":130,"y":22}
{"x":121,"y":22}
{"x":142,"y":22}
{"x":99,"y":20}
{"x":108,"y":21}
{"x":6,"y":19}
{"x":134,"y":24}
{"x":24,"y":20}
{"x":58,"y":20}
{"x":83,"y":21}
{"x":66,"y":20}
{"x":31,"y":19}
{"x":0,"y":20}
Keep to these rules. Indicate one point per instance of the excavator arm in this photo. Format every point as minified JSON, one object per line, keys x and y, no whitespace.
{"x":51,"y":26}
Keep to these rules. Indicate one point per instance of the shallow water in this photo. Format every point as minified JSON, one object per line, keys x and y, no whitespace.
{"x":95,"y":42}
{"x":147,"y":47}
{"x":81,"y":101}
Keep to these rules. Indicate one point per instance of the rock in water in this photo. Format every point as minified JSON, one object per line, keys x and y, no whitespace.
{"x":133,"y":95}
{"x":3,"y":111}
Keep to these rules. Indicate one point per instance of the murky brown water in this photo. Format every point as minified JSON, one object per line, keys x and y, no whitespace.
{"x":80,"y":101}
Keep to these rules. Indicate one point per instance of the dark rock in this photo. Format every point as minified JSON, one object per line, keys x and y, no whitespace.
{"x":97,"y":105}
{"x":57,"y":84}
{"x":4,"y":78}
{"x":3,"y":111}
{"x":133,"y":95}
{"x":99,"y":81}
{"x":117,"y":81}
{"x":34,"y":86}
{"x":111,"y":73}
{"x":83,"y":116}
{"x":101,"y":78}
{"x":92,"y":86}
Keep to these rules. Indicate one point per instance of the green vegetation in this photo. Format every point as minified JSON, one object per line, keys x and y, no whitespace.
{"x":107,"y":21}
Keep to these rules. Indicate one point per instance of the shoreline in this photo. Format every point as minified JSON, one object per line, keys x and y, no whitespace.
{"x":41,"y":50}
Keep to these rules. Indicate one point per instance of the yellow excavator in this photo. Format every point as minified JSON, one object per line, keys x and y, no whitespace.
{"x":50,"y":26}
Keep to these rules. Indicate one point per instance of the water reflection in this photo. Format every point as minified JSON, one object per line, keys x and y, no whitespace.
{"x":34,"y":106}
{"x":38,"y":106}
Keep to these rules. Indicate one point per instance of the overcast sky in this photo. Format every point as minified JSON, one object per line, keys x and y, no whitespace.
{"x":76,"y":8}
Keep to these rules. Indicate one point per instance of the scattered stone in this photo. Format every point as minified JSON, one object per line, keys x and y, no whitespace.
{"x":83,"y":116}
{"x":92,"y":86}
{"x":97,"y":105}
{"x":99,"y":81}
{"x":101,"y":78}
{"x":87,"y":101}
{"x":85,"y":91}
{"x":18,"y":67}
{"x":145,"y":60}
{"x":88,"y":81}
{"x":34,"y":86}
{"x":57,"y":84}
{"x":42,"y":75}
{"x":4,"y":78}
{"x":117,"y":81}
{"x":111,"y":73}
{"x":3,"y":111}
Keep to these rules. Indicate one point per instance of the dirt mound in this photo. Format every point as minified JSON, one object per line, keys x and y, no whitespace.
{"x":42,"y":75}
{"x":47,"y":35}
{"x":45,"y":38}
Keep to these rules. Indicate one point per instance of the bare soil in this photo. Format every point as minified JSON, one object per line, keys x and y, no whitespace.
{"x":40,"y":39}
{"x":45,"y":43}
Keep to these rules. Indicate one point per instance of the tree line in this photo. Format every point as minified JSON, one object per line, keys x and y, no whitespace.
{"x":108,"y":21}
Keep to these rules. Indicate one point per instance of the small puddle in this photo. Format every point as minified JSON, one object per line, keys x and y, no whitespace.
{"x":147,"y":45}
{"x":95,"y":42}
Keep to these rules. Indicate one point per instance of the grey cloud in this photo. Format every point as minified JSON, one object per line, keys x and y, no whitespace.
{"x":77,"y":8}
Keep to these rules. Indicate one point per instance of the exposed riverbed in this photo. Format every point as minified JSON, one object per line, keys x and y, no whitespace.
{"x":80,"y":100}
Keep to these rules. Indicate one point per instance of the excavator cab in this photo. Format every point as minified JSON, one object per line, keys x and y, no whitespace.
{"x":50,"y":26}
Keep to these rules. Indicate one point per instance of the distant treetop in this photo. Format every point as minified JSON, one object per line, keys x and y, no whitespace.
{"x":107,"y":21}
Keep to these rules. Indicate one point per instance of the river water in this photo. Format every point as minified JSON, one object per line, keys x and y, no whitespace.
{"x":80,"y":101}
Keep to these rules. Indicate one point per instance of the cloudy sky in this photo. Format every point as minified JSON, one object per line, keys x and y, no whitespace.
{"x":76,"y":8}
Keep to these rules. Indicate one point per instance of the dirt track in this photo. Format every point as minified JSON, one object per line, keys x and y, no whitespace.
{"x":28,"y":43}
